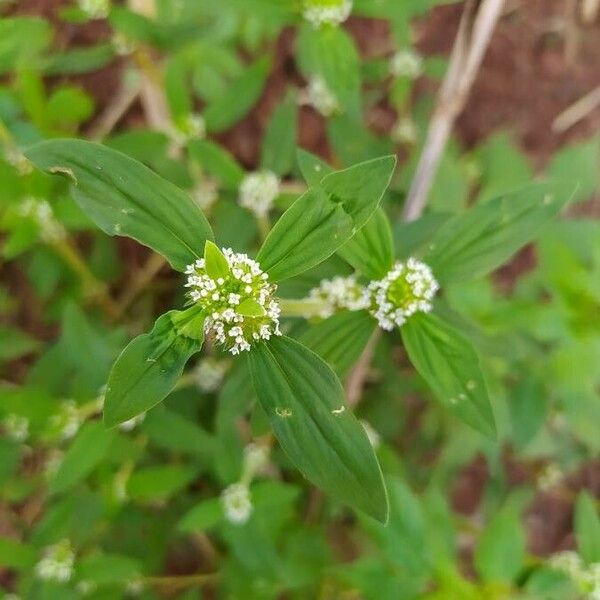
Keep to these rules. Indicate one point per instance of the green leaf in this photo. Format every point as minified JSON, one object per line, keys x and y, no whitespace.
{"x":238,"y":98}
{"x":472,"y":244}
{"x":16,"y":555}
{"x":148,"y":368}
{"x":123,"y":197}
{"x":330,"y":53}
{"x":587,"y":527}
{"x":340,"y":339}
{"x":312,"y":167}
{"x":215,"y":263}
{"x":159,"y":483}
{"x":500,"y":555}
{"x":203,"y":516}
{"x":217,"y":162}
{"x":250,"y":308}
{"x":279,"y":143}
{"x":449,"y":364}
{"x":371,"y":250}
{"x":86,"y":451}
{"x":103,"y":569}
{"x":325,"y":217}
{"x":304,"y":401}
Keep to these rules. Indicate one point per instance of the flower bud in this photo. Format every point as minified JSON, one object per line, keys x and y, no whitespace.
{"x":406,"y":63}
{"x":57,"y":562}
{"x":340,"y":293}
{"x":237,"y":504}
{"x":326,"y":12}
{"x":258,"y":191}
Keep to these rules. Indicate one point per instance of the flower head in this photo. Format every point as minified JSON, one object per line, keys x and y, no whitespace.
{"x":191,"y":126}
{"x":340,"y":293}
{"x":209,"y":374}
{"x":321,"y":97}
{"x":237,"y":300}
{"x":16,"y":427}
{"x":256,"y":457}
{"x":258,"y":191}
{"x":95,"y":9}
{"x":67,"y":420}
{"x":404,"y":131}
{"x":406,"y":63}
{"x":237,"y":504}
{"x":57,"y":562}
{"x":408,"y":288}
{"x":326,"y":12}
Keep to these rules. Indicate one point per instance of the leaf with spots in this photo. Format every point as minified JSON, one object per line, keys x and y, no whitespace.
{"x":449,"y":364}
{"x":304,"y":402}
{"x":149,"y":367}
{"x":472,"y":244}
{"x":123,"y":197}
{"x":325,"y":218}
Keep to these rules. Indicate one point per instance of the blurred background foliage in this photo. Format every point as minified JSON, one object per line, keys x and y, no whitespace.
{"x":202,"y":92}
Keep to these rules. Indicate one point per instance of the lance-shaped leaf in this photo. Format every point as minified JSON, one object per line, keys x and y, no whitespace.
{"x":449,"y":364}
{"x":472,"y":244}
{"x":312,"y":167}
{"x":148,"y":368}
{"x":371,"y":250}
{"x":304,"y":401}
{"x":340,"y":340}
{"x":123,"y":197}
{"x":324,"y":218}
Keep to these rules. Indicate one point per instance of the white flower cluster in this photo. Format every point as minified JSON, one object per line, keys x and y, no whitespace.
{"x":408,"y":288}
{"x":209,"y":374}
{"x":340,"y":293}
{"x":406,"y":63}
{"x":237,"y":504}
{"x":326,"y":12}
{"x":57,"y":562}
{"x":16,"y":427}
{"x":258,"y":191}
{"x":95,"y":9}
{"x":256,"y":457}
{"x":205,"y":194}
{"x":190,"y":127}
{"x":41,"y":213}
{"x":321,"y":98}
{"x":222,"y":300}
{"x":132,"y":423}
{"x":404,"y":131}
{"x":67,"y":420}
{"x":18,"y":160}
{"x":587,"y":577}
{"x":550,"y":476}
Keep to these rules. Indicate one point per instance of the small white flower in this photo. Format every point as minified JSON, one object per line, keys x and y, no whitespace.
{"x":406,"y":289}
{"x":326,"y":12}
{"x":206,"y":194}
{"x":550,"y":477}
{"x":374,"y":437}
{"x":244,"y":282}
{"x":16,"y":427}
{"x":256,"y":457}
{"x":95,"y":9}
{"x":258,"y":191}
{"x":340,"y":293}
{"x":57,"y":562}
{"x":67,"y":420}
{"x":18,"y":160}
{"x":41,"y":213}
{"x":132,"y":423}
{"x":209,"y":374}
{"x":406,"y":63}
{"x":321,"y":97}
{"x":191,"y":127}
{"x":568,"y":562}
{"x":52,"y":464}
{"x":404,"y":131}
{"x":237,"y":504}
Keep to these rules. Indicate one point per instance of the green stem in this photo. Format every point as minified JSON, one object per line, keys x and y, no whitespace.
{"x":174,"y":581}
{"x":264,"y":226}
{"x":305,"y":308}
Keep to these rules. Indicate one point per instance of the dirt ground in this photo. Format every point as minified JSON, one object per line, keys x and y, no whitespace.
{"x":541,"y":59}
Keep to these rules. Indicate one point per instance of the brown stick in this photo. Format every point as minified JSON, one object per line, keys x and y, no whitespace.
{"x":474,"y":33}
